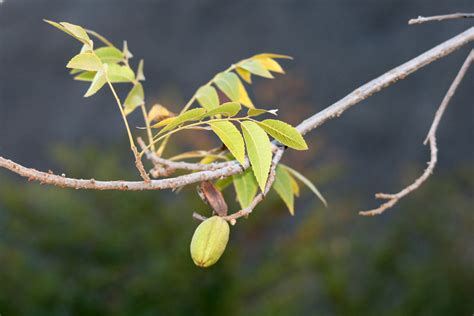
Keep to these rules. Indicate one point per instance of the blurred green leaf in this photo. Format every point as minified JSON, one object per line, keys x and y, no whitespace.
{"x":307,"y":182}
{"x":190,"y":115}
{"x":229,"y":109}
{"x":255,"y":67}
{"x":228,"y":82}
{"x":109,"y":55}
{"x":283,"y":187}
{"x":85,"y":61}
{"x":97,"y":83}
{"x":120,"y":74}
{"x":135,"y":98}
{"x":245,"y":187}
{"x":207,"y":97}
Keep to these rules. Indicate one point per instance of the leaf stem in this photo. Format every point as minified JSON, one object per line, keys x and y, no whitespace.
{"x":187,"y":106}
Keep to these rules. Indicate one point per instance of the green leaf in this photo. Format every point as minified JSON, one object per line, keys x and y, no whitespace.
{"x":245,"y":187}
{"x":86,"y":76}
{"x":140,"y":73}
{"x":190,"y":115}
{"x":284,"y":133}
{"x":119,"y":74}
{"x":73,"y":30}
{"x":256,"y":67}
{"x":163,"y":122}
{"x":97,"y":83}
{"x":257,"y":112}
{"x":283,"y":187}
{"x":229,"y":109}
{"x":109,"y":55}
{"x":135,"y":98}
{"x":259,"y":151}
{"x":228,"y":82}
{"x":222,"y":184}
{"x":85,"y":61}
{"x":307,"y":182}
{"x":207,"y":97}
{"x":77,"y":31}
{"x":231,"y":137}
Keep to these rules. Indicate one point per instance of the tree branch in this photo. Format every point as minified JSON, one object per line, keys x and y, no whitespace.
{"x":309,"y":124}
{"x":431,"y":138}
{"x":422,"y":19}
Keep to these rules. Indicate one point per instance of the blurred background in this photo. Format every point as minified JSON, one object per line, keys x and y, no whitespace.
{"x":66,"y":252}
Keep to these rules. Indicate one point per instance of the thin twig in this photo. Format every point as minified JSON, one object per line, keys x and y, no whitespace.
{"x":431,"y":138}
{"x":422,"y":19}
{"x":180,"y":165}
{"x":309,"y":124}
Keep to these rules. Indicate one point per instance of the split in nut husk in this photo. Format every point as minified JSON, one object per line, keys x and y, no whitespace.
{"x":209,"y":241}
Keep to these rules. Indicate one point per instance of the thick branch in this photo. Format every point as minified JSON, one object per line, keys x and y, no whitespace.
{"x":309,"y":124}
{"x":431,"y":138}
{"x":422,"y":19}
{"x":387,"y":79}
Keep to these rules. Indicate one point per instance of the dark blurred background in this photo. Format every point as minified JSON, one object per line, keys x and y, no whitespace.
{"x":65,"y":252}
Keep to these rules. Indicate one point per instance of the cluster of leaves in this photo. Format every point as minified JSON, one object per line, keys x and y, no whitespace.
{"x":217,"y":112}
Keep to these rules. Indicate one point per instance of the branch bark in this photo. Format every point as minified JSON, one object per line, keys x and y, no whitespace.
{"x":307,"y":125}
{"x":431,"y":138}
{"x":422,"y":19}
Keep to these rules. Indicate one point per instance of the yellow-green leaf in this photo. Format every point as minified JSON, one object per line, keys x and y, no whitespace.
{"x":190,"y":115}
{"x":284,"y":133}
{"x":245,"y":187}
{"x":118,"y":73}
{"x":231,"y":137}
{"x":244,"y":74}
{"x":228,"y":82}
{"x":163,"y":122}
{"x":271,"y":65}
{"x":207,"y":97}
{"x":256,"y":67}
{"x":283,"y":187}
{"x":228,"y":109}
{"x":97,"y":83}
{"x":135,"y":98}
{"x":307,"y":182}
{"x":295,"y":186}
{"x":85,"y":61}
{"x":109,"y":55}
{"x":77,"y":31}
{"x":259,"y":151}
{"x":85,"y":76}
{"x":270,"y":55}
{"x":257,"y":112}
{"x":244,"y":97}
{"x":140,"y":71}
{"x":73,"y":30}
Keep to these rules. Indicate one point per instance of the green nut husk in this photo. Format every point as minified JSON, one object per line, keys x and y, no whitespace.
{"x":209,"y":241}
